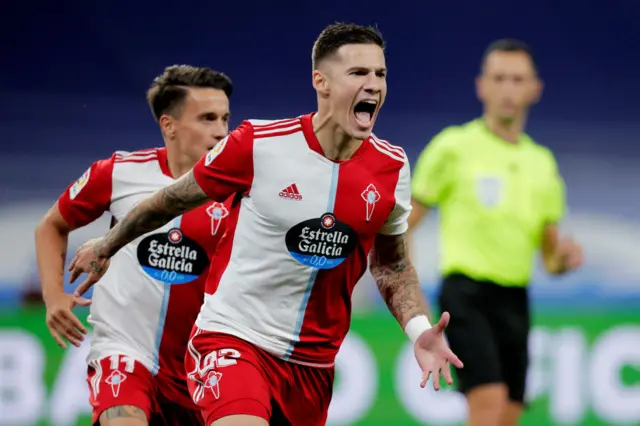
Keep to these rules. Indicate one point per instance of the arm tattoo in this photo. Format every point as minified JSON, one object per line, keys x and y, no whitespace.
{"x":124,"y":411}
{"x":153,"y":213}
{"x":396,"y":278}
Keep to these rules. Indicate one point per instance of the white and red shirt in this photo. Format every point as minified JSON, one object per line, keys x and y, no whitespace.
{"x":147,"y":302}
{"x":299,"y":239}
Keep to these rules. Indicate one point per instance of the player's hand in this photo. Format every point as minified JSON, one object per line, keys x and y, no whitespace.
{"x":570,"y":254}
{"x":63,"y":324}
{"x":88,"y":261}
{"x":434,"y":356}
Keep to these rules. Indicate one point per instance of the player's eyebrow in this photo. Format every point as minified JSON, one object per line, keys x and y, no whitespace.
{"x":367,"y":69}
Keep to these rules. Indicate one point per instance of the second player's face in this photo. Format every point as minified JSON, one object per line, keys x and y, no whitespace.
{"x":508,"y":85}
{"x":203,"y":121}
{"x":358,"y":87}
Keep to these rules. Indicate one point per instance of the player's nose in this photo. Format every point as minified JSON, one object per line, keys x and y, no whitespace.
{"x":219,"y":132}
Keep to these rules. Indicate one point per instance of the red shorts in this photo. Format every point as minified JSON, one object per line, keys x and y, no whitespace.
{"x":120,"y":380}
{"x":227,"y":376}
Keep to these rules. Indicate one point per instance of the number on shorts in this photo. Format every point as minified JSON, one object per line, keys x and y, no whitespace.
{"x":221,"y":358}
{"x":129,"y":362}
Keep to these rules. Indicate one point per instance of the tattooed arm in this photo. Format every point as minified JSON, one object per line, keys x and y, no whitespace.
{"x":154,"y":212}
{"x":396,"y":278}
{"x":123,"y":411}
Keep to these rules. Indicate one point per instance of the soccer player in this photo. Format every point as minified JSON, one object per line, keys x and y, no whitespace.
{"x":314,"y":196}
{"x":144,"y":308}
{"x":500,"y":198}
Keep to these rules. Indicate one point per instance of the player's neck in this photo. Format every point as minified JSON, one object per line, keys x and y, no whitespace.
{"x":510,"y":130}
{"x":179,"y":164}
{"x":335,"y":143}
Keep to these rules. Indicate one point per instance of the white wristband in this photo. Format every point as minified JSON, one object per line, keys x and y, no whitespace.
{"x":416,"y":326}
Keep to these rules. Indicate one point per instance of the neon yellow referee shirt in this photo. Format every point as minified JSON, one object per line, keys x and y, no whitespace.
{"x":494,"y":199}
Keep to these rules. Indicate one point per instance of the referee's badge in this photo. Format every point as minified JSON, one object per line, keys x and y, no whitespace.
{"x":489,"y":190}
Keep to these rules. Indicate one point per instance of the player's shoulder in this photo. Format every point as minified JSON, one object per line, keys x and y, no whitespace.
{"x":136,"y":157}
{"x":268,"y":129}
{"x":390,"y":151}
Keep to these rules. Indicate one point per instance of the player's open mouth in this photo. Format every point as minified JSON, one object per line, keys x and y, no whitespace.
{"x":364,"y":111}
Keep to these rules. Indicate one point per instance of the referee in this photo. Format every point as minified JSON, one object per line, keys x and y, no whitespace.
{"x":500,"y":198}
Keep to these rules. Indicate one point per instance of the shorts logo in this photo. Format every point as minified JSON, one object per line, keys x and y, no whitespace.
{"x":205,"y":374}
{"x":215,"y":151}
{"x":489,"y":190}
{"x":370,"y":196}
{"x":115,"y":379}
{"x":79,"y":184}
{"x":217,"y":212}
{"x":212,"y":383}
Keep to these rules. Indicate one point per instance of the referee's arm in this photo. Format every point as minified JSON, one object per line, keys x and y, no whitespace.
{"x":559,"y":254}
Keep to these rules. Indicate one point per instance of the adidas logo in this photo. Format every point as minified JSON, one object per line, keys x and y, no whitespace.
{"x":291,"y":192}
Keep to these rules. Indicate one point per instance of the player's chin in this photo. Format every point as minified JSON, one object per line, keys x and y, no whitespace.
{"x":361,"y":130}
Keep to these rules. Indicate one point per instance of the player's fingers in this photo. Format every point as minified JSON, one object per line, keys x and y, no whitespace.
{"x":81,"y":301}
{"x":436,"y":379}
{"x":453,"y":359}
{"x":75,"y":322}
{"x":57,"y":337}
{"x":68,"y":331}
{"x":86,"y":284}
{"x":446,"y":372}
{"x":444,"y":321}
{"x":73,"y":263}
{"x":75,"y":274}
{"x":425,"y":378}
{"x":73,"y":336}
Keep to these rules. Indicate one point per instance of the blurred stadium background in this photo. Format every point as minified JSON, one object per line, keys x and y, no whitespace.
{"x":73,"y":82}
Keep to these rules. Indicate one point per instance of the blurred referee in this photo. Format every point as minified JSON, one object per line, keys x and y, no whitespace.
{"x":500,"y":198}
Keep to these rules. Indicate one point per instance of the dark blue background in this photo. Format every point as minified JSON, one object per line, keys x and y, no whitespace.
{"x":74,"y":74}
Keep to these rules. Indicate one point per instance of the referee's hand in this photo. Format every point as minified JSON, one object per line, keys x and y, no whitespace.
{"x":434,"y":356}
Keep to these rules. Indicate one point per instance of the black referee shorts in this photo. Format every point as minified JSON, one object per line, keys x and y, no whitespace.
{"x":489,"y":331}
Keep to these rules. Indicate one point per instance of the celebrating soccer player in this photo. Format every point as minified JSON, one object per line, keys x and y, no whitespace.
{"x":144,"y":308}
{"x":278,"y":300}
{"x":500,"y":198}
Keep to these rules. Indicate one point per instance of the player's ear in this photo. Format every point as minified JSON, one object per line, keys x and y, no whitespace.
{"x":537,"y":91}
{"x":321,"y":83}
{"x":167,"y":126}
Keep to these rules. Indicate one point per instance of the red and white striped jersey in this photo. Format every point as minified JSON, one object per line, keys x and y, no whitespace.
{"x":147,"y":302}
{"x":298,"y":240}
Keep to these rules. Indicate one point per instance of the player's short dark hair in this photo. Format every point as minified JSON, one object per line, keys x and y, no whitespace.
{"x":509,"y":45}
{"x":169,"y":90}
{"x":339,"y":34}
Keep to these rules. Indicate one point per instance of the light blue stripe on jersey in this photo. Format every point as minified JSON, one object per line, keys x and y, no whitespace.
{"x":163,"y":311}
{"x":314,"y":272}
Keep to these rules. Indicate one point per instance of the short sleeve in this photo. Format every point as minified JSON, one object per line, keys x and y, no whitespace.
{"x":434,"y":171}
{"x":397,"y":222}
{"x":89,"y":197}
{"x":555,"y":196}
{"x":228,"y":168}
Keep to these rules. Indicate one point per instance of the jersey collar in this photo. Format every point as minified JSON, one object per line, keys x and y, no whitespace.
{"x":164,"y":163}
{"x":314,"y":144}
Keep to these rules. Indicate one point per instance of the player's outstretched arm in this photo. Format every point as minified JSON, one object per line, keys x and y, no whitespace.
{"x":154,"y":212}
{"x":399,"y":286}
{"x":396,"y":278}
